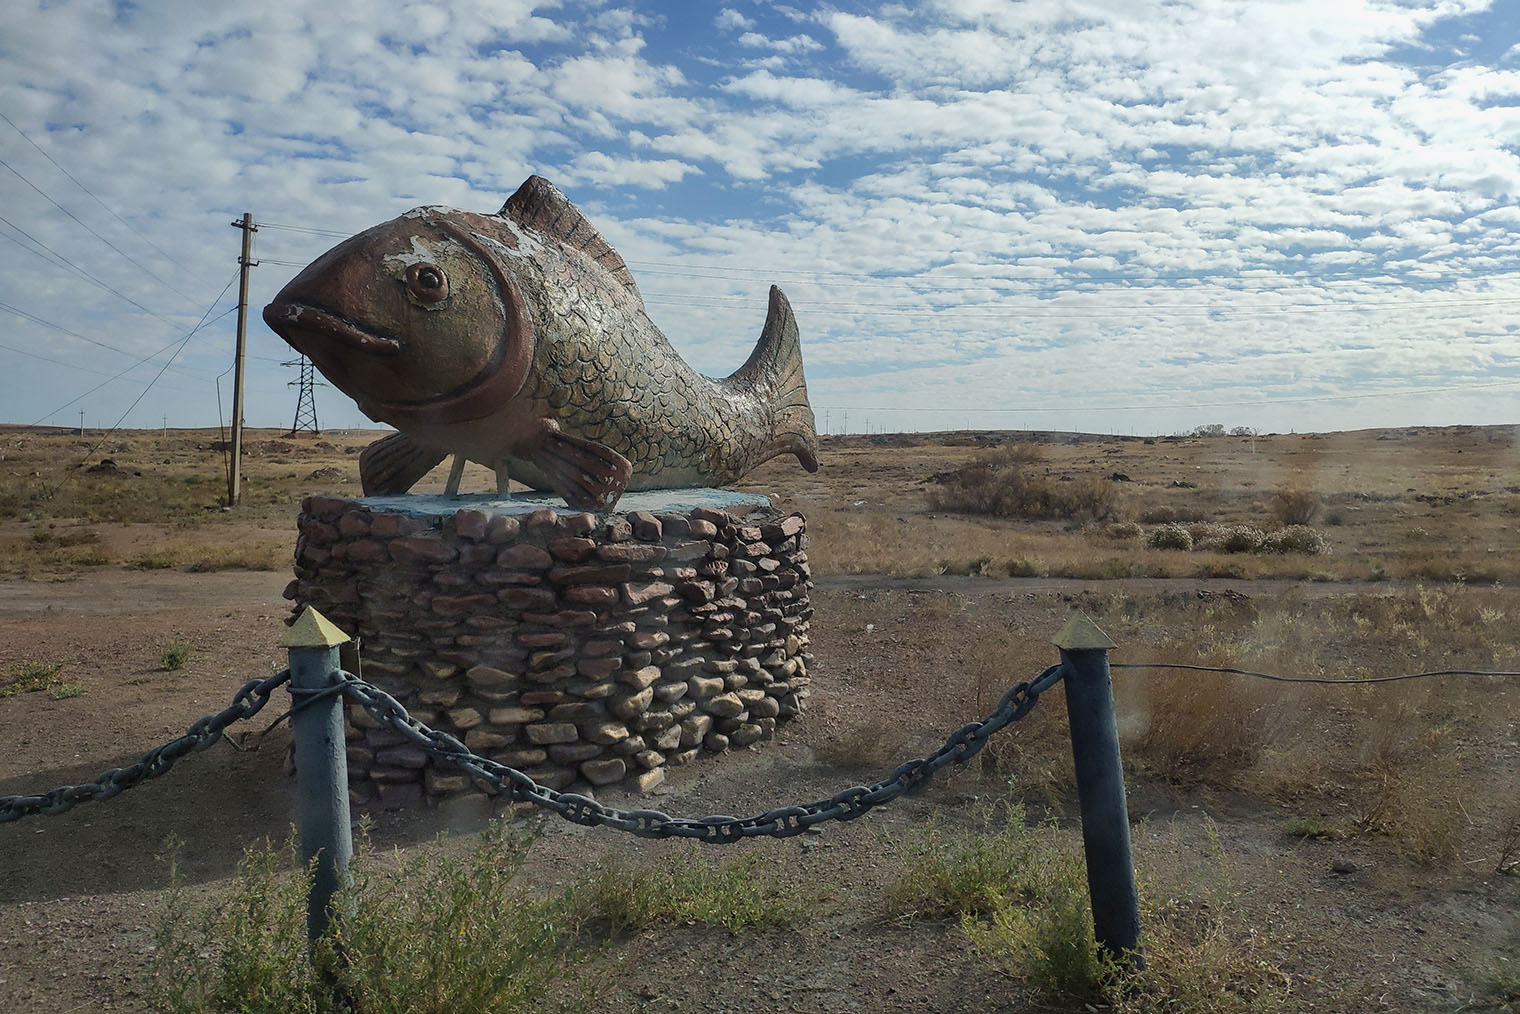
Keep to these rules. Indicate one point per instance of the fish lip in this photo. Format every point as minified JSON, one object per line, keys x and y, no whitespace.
{"x":284,"y":316}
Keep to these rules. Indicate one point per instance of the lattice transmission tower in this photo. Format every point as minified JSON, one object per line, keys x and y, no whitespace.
{"x":306,"y":402}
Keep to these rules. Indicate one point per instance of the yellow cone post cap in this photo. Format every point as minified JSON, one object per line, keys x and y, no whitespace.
{"x":1082,"y":634}
{"x":313,"y":630}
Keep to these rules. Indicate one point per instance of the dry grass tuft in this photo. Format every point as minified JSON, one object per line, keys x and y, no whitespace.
{"x":1292,"y":505}
{"x":1189,"y":727}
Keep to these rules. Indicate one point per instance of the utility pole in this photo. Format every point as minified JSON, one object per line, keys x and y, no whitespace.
{"x":81,"y":422}
{"x":166,"y":426}
{"x":234,"y":477}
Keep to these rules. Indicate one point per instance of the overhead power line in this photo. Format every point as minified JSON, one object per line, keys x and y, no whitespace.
{"x":87,"y":228}
{"x":108,"y":209}
{"x":178,"y":349}
{"x":152,"y":355}
{"x":81,"y":272}
{"x":71,"y":333}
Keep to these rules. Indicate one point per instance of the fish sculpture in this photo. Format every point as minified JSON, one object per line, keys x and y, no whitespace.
{"x":520,"y":341}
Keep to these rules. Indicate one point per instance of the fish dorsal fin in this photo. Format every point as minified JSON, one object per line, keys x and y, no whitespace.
{"x":539,"y":205}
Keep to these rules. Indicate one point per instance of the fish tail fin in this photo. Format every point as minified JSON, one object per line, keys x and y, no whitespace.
{"x":393,"y":464}
{"x":774,"y":372}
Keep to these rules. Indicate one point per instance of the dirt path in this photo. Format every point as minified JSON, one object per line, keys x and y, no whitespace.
{"x":110,"y":591}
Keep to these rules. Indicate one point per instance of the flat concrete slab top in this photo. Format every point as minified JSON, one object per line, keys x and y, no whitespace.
{"x":655,"y":501}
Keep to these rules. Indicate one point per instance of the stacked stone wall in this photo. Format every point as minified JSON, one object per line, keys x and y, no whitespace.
{"x":582,"y":649}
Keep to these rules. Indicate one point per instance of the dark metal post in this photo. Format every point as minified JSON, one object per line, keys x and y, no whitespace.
{"x":321,"y":763}
{"x":1100,"y":789}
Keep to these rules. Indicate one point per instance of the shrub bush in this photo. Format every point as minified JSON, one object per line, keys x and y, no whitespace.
{"x":1206,"y":534}
{"x":1123,"y":531}
{"x":1241,"y":539}
{"x":1292,"y":505}
{"x":1296,"y":539}
{"x":1003,"y":483}
{"x":1171,"y":536}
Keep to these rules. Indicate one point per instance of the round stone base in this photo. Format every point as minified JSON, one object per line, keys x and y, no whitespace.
{"x":589,"y":649}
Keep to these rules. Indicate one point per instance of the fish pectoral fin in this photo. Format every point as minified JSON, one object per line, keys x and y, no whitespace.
{"x":590,"y":476}
{"x":393,"y":464}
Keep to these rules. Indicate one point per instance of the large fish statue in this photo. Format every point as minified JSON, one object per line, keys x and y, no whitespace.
{"x":519,"y":340}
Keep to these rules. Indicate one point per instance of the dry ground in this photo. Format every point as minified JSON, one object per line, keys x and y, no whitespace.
{"x":1412,"y":787}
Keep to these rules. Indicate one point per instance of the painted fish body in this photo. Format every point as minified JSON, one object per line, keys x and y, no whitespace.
{"x":519,"y":340}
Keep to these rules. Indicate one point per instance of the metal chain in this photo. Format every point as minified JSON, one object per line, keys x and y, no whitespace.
{"x":782,"y":822}
{"x":248,"y":701}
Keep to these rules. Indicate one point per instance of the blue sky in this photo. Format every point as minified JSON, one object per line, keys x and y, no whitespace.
{"x":1115,"y":215}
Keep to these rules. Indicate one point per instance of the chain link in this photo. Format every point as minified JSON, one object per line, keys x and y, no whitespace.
{"x":248,"y":701}
{"x":782,"y":822}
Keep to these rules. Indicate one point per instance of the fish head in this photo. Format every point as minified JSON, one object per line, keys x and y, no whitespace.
{"x":415,"y":319}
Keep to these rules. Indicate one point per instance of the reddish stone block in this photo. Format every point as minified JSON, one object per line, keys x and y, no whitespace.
{"x":591,"y":595}
{"x":524,"y":557}
{"x":579,"y":524}
{"x":572,"y":548}
{"x":412,"y":551}
{"x":460,"y":605}
{"x":598,"y":668}
{"x":630,"y":553}
{"x":544,"y":518}
{"x":636,"y":594}
{"x":390,"y":526}
{"x":699,"y":591}
{"x":703,"y":529}
{"x":597,"y":648}
{"x":546,"y":639}
{"x":501,"y":528}
{"x":646,"y":527}
{"x":712,"y":515}
{"x":325,"y":507}
{"x":563,"y":618}
{"x":495,"y":577}
{"x":617,"y":530}
{"x":527,"y":598}
{"x":675,"y":525}
{"x":477,"y":555}
{"x":354,"y":523}
{"x":608,"y":574}
{"x":471,"y":524}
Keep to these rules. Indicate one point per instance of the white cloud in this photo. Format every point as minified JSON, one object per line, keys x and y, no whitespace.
{"x":730,"y":20}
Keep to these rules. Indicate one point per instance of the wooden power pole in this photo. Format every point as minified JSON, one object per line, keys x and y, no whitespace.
{"x":234,"y":475}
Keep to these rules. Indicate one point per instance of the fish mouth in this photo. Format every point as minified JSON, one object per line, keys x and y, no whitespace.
{"x":285,"y":318}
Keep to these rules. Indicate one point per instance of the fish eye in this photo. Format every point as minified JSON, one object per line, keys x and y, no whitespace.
{"x":427,"y":282}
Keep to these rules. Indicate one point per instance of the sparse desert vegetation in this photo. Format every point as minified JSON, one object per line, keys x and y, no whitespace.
{"x":1284,"y":834}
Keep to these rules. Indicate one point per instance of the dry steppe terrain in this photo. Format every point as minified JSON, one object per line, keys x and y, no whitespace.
{"x":1302,"y":847}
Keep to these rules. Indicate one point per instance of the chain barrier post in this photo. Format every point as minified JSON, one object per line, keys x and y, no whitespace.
{"x":316,"y":723}
{"x":1100,"y":789}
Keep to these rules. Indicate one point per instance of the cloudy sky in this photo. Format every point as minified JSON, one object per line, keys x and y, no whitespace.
{"x":1117,"y":215}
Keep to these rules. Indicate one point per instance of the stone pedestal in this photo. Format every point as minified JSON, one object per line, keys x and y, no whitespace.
{"x":580,"y":648}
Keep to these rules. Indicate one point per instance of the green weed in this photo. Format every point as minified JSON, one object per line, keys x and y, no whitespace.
{"x":174,"y":656}
{"x":423,"y":933}
{"x":32,"y":677}
{"x":734,"y":894}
